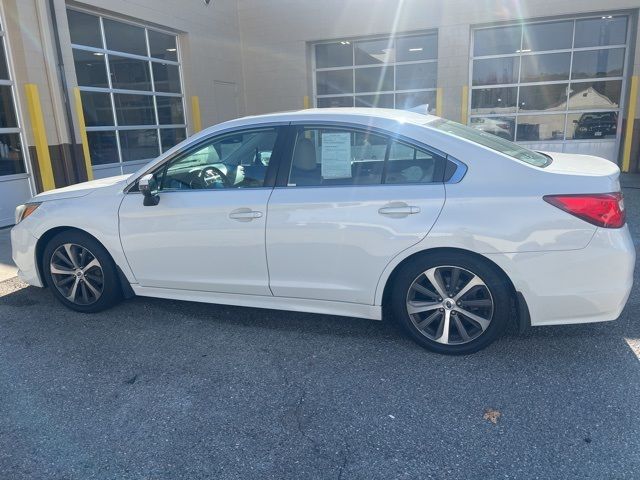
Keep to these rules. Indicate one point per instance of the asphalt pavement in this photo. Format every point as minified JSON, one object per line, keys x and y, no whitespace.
{"x":157,"y":389}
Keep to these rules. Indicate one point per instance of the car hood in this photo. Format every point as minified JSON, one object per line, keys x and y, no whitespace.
{"x":79,"y":189}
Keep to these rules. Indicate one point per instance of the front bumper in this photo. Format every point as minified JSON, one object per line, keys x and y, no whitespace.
{"x":576,"y":286}
{"x":23,"y":251}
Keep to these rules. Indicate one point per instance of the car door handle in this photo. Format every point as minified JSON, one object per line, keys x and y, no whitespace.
{"x":244,"y":214}
{"x":398,"y":210}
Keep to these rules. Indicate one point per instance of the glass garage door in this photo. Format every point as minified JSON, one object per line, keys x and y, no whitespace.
{"x":555,"y":85}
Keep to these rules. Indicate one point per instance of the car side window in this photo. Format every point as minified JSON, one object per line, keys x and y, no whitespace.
{"x":234,"y":160}
{"x":408,"y":164}
{"x":337,"y":156}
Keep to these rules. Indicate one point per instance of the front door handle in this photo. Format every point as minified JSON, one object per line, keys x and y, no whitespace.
{"x":398,"y":210}
{"x":244,"y":214}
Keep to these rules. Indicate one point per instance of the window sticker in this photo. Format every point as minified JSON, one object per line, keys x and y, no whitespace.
{"x":336,"y":155}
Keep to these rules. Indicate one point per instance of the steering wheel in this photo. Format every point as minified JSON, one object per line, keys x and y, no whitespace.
{"x":209,"y":176}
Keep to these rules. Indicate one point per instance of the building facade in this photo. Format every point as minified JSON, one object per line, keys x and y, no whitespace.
{"x":97,"y":88}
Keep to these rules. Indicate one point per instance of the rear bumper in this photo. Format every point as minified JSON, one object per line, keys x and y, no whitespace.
{"x":577,"y":286}
{"x":23,"y":251}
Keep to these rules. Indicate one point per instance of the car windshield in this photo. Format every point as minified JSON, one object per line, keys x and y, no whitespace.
{"x":493,"y":142}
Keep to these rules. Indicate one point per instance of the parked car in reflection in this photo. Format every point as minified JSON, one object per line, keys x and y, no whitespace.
{"x":596,"y":125}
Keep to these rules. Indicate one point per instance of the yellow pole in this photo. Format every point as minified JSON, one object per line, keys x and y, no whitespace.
{"x":464,"y":108}
{"x":83,"y":133}
{"x":305,"y":102}
{"x":195,"y":114}
{"x":439,"y":102}
{"x":631,"y":115}
{"x":40,"y":136}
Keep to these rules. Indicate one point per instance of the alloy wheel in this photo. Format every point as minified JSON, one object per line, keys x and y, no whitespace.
{"x":450,"y":305}
{"x":77,"y":274}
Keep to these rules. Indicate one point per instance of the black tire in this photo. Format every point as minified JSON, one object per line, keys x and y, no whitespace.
{"x":111,"y":292}
{"x":494,"y":281}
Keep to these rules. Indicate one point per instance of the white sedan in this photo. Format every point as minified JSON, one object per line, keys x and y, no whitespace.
{"x":452,"y":231}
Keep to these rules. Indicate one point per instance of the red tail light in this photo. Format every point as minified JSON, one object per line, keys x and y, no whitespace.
{"x":601,"y":209}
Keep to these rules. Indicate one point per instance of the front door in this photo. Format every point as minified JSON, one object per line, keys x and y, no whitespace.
{"x":208,"y":231}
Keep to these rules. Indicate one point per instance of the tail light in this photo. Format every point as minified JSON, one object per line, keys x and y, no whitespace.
{"x":601,"y":209}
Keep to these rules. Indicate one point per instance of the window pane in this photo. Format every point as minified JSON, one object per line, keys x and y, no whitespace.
{"x":494,"y":71}
{"x":494,"y":100}
{"x":103,"y":147}
{"x":91,"y":70}
{"x":494,"y":41}
{"x":4,"y":70}
{"x":335,"y":102}
{"x":337,"y":81}
{"x":338,"y":54}
{"x":540,"y":127}
{"x":170,"y":110}
{"x":423,"y":102}
{"x":124,"y":38}
{"x":171,"y":136}
{"x":594,"y":32}
{"x":374,"y":51}
{"x":162,"y":45}
{"x":129,"y":73}
{"x":326,"y":157}
{"x":409,"y":165}
{"x":11,"y":158}
{"x":598,"y":63}
{"x":374,"y":79}
{"x":540,"y":68}
{"x":84,"y":29}
{"x":7,"y":109}
{"x":543,"y":97}
{"x":416,"y":76}
{"x":548,"y":36}
{"x":418,"y":47}
{"x":134,"y":109}
{"x":376,"y":101}
{"x":166,"y":78}
{"x":503,"y":127}
{"x":595,"y":125}
{"x":588,"y":95}
{"x":97,"y":109}
{"x":138,"y":144}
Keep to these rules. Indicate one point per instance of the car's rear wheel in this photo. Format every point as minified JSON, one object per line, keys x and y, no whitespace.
{"x":451,"y":303}
{"x":80,"y":272}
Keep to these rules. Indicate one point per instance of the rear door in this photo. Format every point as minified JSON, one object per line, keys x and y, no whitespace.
{"x":346,"y":202}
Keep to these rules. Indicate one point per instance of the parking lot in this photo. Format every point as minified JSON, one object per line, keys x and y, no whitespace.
{"x":157,"y":389}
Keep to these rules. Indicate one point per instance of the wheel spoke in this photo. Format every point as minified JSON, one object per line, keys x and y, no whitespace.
{"x":65,"y":280}
{"x":443,"y":336}
{"x":59,"y":270}
{"x":429,"y":320}
{"x":83,"y":291}
{"x":485,"y":302}
{"x":436,"y":281}
{"x":474,"y":282}
{"x":483,"y":322}
{"x":461,"y":330}
{"x":93,"y":289}
{"x":419,"y":307}
{"x":63,"y":258}
{"x":90,"y":265}
{"x":425,"y":291}
{"x":70,"y":254}
{"x":72,"y":293}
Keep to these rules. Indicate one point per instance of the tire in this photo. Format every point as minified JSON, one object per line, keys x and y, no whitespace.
{"x":74,"y":258}
{"x":478,"y":313}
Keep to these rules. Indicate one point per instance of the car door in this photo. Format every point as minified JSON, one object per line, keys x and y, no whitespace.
{"x":347,"y":201}
{"x":207,"y":232}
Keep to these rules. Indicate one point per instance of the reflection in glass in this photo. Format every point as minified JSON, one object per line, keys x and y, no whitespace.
{"x":540,"y":127}
{"x":134,"y":109}
{"x":170,"y":110}
{"x":162,"y":45}
{"x":171,"y":136}
{"x":374,"y":51}
{"x":334,"y":102}
{"x":335,"y":81}
{"x":103,"y":147}
{"x":339,"y":54}
{"x":375,"y":101}
{"x":97,"y":109}
{"x":11,"y":157}
{"x":129,"y":73}
{"x":593,"y":125}
{"x":588,"y":95}
{"x":593,"y":32}
{"x":84,"y":29}
{"x":495,"y":41}
{"x":7,"y":110}
{"x":374,"y":79}
{"x":494,"y":71}
{"x":503,"y":127}
{"x":494,"y":100}
{"x":598,"y":63}
{"x":547,"y":36}
{"x":91,"y":70}
{"x":545,"y":67}
{"x":422,"y":102}
{"x":416,"y":76}
{"x":123,"y":37}
{"x":417,"y":47}
{"x":4,"y":70}
{"x":543,"y":97}
{"x":166,"y":77}
{"x":138,"y":144}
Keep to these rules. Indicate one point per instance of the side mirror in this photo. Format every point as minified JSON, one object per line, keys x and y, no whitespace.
{"x":149,"y":189}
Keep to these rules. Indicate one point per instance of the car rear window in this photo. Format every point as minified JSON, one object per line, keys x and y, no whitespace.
{"x":493,"y":142}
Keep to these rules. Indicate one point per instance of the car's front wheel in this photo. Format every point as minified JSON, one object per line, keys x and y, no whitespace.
{"x":451,"y":303}
{"x":80,"y":272}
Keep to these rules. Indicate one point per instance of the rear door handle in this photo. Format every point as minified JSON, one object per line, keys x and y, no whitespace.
{"x":244,"y":214}
{"x":398,"y":210}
